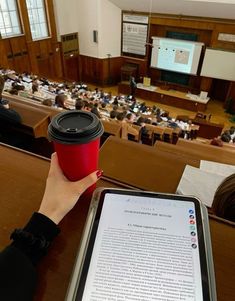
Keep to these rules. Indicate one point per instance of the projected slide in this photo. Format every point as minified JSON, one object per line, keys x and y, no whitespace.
{"x":176,"y":55}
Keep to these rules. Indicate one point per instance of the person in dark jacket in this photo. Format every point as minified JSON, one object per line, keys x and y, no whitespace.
{"x":8,"y":116}
{"x":133,"y":86}
{"x":18,"y":277}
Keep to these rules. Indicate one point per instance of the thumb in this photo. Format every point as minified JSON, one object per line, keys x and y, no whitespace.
{"x":88,"y":181}
{"x":55,"y":169}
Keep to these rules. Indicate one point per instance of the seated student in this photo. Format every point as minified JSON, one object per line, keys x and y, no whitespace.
{"x":130,"y":117}
{"x":18,"y":260}
{"x":143,"y":107}
{"x":115,"y":102}
{"x":224,"y":199}
{"x":127,"y":129}
{"x":225,"y":137}
{"x":141,"y":122}
{"x":79,"y":105}
{"x":103,"y":110}
{"x":35,"y":86}
{"x":113,"y":114}
{"x":95,"y":110}
{"x":232,"y":133}
{"x":60,"y":101}
{"x":7,"y":115}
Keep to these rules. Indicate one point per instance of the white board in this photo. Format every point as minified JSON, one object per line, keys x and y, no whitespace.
{"x":219,"y":64}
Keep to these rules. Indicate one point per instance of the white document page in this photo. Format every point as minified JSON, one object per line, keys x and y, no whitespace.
{"x":217,"y":168}
{"x":145,"y":249}
{"x":199,"y":183}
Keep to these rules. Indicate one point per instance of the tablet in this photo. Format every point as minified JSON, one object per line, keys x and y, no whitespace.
{"x":142,"y":246}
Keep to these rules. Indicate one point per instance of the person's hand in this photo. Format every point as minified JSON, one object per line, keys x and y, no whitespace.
{"x":61,"y":195}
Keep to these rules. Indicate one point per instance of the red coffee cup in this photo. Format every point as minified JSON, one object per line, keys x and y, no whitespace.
{"x":76,"y":138}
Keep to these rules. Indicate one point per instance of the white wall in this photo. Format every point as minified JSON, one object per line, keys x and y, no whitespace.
{"x":110,"y":29}
{"x":85,"y":16}
{"x":66,"y":16}
{"x":88,"y":21}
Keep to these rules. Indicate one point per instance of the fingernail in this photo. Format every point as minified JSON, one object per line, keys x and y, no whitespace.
{"x":99,"y":173}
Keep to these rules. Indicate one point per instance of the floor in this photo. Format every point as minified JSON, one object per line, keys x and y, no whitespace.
{"x":215,"y":108}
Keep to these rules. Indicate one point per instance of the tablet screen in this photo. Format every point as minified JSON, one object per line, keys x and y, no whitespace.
{"x":147,"y":247}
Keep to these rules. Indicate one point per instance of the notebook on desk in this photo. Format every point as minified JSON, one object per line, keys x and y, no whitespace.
{"x":199,"y":183}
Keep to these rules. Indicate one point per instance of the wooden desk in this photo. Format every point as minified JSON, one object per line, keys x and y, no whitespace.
{"x":111,"y":128}
{"x":24,"y":176}
{"x":142,"y":166}
{"x":207,"y":129}
{"x":171,"y":97}
{"x":34,"y":121}
{"x":201,"y":151}
{"x":32,"y":103}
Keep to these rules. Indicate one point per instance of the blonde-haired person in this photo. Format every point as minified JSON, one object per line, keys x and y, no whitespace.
{"x":224,"y":199}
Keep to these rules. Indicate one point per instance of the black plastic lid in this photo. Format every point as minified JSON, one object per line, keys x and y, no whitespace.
{"x":75,"y":127}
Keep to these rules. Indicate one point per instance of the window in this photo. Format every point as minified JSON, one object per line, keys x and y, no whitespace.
{"x":37,"y":19}
{"x":9,"y":18}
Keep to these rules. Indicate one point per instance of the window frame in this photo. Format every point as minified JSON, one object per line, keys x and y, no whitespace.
{"x":20,"y":24}
{"x":47,"y":21}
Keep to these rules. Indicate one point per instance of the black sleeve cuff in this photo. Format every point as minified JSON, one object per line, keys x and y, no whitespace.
{"x":36,"y":237}
{"x":41,"y":225}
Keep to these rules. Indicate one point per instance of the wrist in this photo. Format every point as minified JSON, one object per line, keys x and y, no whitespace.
{"x":53,"y":216}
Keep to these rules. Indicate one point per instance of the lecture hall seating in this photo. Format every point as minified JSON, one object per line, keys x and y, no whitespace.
{"x":191,"y":149}
{"x":55,"y":270}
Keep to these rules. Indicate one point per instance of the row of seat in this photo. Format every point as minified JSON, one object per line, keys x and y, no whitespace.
{"x":154,"y":132}
{"x":198,"y":151}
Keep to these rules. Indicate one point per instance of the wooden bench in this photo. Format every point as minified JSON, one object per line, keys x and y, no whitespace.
{"x":32,"y":103}
{"x":226,"y":149}
{"x":197,"y":151}
{"x":110,"y":129}
{"x":34,"y":121}
{"x":143,"y":166}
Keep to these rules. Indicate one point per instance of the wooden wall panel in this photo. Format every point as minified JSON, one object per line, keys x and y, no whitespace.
{"x":45,"y":58}
{"x":3,"y":56}
{"x":100,"y":71}
{"x":15,"y":52}
{"x":20,"y":54}
{"x":223,"y":28}
{"x":57,"y":56}
{"x":141,"y":63}
{"x":205,"y":83}
{"x":71,"y":67}
{"x":111,"y":70}
{"x":183,"y":21}
{"x":204,"y":36}
{"x":9,"y":54}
